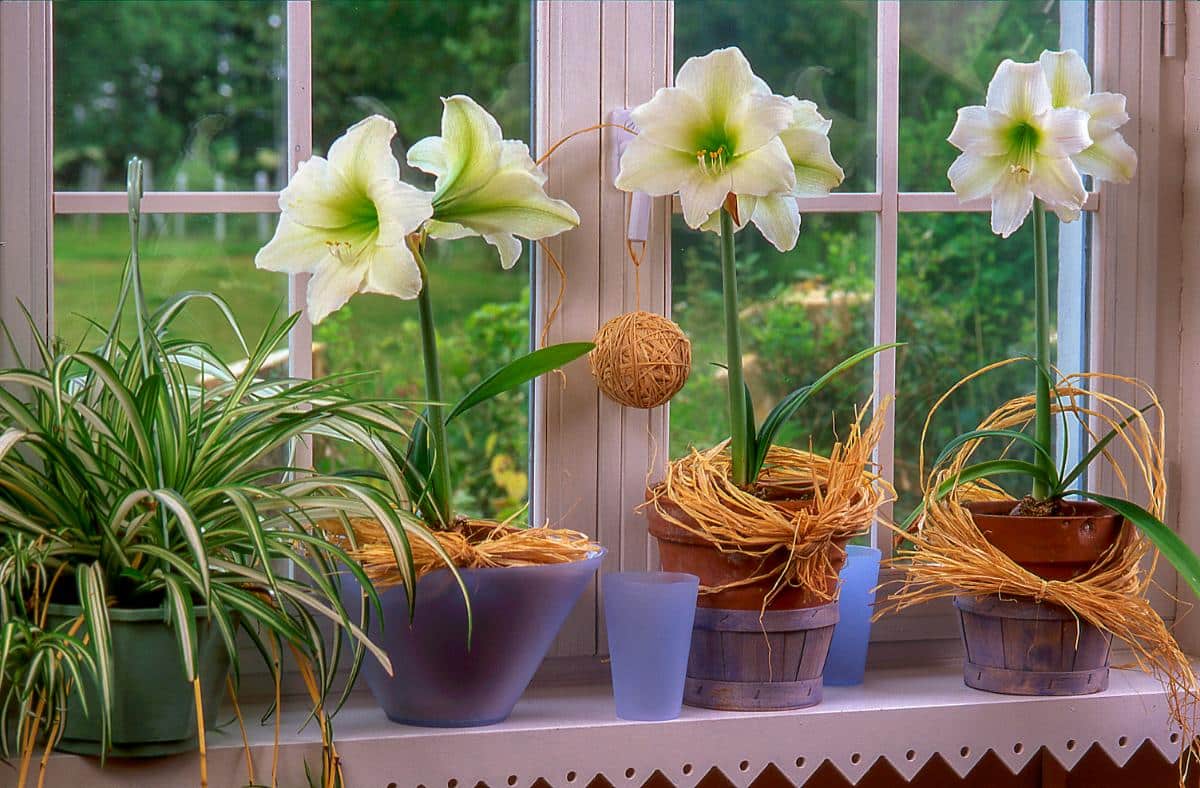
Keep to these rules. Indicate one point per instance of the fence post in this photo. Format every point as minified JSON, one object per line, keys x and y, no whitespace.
{"x":219,"y":219}
{"x":181,"y":181}
{"x":261,"y":184}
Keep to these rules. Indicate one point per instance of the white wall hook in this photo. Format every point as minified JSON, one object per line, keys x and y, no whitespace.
{"x":639,"y":208}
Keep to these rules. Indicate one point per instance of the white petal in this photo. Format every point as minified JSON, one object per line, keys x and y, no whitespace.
{"x":318,"y":196}
{"x":364,"y":152}
{"x":508,"y":247}
{"x":471,"y":148}
{"x":778,"y":219}
{"x":1064,"y":132}
{"x":673,"y":118}
{"x":511,"y":202}
{"x":1012,"y":199}
{"x":1067,"y":76}
{"x":514,"y":153}
{"x":816,"y":171}
{"x":1019,"y":90}
{"x":767,"y":170}
{"x":294,"y":249}
{"x":719,"y":79}
{"x":755,"y":120}
{"x":805,"y":115}
{"x":653,"y":169}
{"x":1057,"y":182}
{"x":973,"y":176}
{"x":332,"y":285}
{"x":428,"y":155}
{"x":701,"y":195}
{"x":447,"y":231}
{"x":1110,"y":159}
{"x":1107,"y":111}
{"x":401,"y":209}
{"x":745,"y":204}
{"x":1066,"y":214}
{"x":979,"y":130}
{"x":391,"y":270}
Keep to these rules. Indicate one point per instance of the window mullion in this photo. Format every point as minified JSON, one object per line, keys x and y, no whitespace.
{"x":887,"y":183}
{"x":299,"y":148}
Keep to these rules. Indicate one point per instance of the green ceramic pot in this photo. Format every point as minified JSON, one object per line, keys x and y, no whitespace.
{"x":154,"y":712}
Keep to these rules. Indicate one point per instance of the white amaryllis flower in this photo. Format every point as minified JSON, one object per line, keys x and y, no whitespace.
{"x":1109,"y":157}
{"x":1019,"y":146}
{"x":345,"y":219}
{"x":777,"y":216}
{"x":486,"y":185}
{"x":720,"y":131}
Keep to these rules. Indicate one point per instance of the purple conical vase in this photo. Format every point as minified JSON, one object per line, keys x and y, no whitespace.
{"x":439,"y":680}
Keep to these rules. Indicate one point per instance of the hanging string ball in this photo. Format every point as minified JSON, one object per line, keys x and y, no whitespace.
{"x":641,"y":359}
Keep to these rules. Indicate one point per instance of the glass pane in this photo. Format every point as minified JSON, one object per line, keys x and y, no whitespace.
{"x":362,"y":64}
{"x":195,"y":88}
{"x":802,"y":313}
{"x":948,"y":53}
{"x":823,"y":50}
{"x":195,"y":252}
{"x":964,"y":300}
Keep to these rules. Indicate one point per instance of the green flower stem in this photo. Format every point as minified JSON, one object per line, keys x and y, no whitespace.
{"x":440,"y":487}
{"x":1042,"y":424}
{"x":739,"y":439}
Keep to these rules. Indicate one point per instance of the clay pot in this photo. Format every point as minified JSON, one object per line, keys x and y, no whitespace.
{"x":1053,"y":548}
{"x":683,"y":551}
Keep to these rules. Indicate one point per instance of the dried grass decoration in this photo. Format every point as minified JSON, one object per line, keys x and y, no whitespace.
{"x":641,"y":359}
{"x":847,"y":496}
{"x":472,"y":544}
{"x":948,"y":555}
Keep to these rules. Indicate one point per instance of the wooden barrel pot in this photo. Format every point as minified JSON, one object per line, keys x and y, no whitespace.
{"x":1016,"y":646}
{"x":744,"y":657}
{"x":742,"y":660}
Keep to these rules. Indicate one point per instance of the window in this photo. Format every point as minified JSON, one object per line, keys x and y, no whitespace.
{"x":223,"y":98}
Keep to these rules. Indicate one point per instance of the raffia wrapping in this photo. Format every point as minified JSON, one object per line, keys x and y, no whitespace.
{"x":948,"y":555}
{"x":641,"y":359}
{"x":847,"y":495}
{"x":473,"y":544}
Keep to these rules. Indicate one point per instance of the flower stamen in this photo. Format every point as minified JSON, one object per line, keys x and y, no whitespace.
{"x":712,"y":162}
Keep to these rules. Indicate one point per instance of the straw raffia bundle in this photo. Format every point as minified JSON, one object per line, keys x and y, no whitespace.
{"x":846,"y":497}
{"x":948,"y":554}
{"x":472,"y":544}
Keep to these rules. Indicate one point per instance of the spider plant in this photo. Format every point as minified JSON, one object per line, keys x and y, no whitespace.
{"x":151,"y":474}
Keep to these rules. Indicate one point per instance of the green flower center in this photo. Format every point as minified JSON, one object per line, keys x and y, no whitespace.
{"x":714,"y":151}
{"x":1023,"y":140}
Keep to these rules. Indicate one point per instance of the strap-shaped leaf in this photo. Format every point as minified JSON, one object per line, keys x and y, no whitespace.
{"x":520,"y":371}
{"x":1070,"y":477}
{"x":796,"y":400}
{"x":980,"y":470}
{"x":1168,"y":543}
{"x":183,"y":621}
{"x":1013,"y":435}
{"x":89,"y":579}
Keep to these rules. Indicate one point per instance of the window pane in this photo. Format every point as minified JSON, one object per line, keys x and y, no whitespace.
{"x":823,"y":50}
{"x":802,"y":313}
{"x":397,"y":59}
{"x":948,"y":54}
{"x":195,"y":88}
{"x":965,"y":300}
{"x":196,"y":252}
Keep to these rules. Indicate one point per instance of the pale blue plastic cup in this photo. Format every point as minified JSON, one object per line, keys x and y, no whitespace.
{"x":649,"y":617}
{"x":847,"y":661}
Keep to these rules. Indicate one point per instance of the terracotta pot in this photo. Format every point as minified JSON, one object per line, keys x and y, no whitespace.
{"x":683,"y":551}
{"x":1061,"y":547}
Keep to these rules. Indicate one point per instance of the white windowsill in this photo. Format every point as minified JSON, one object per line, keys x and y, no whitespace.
{"x":903,"y":715}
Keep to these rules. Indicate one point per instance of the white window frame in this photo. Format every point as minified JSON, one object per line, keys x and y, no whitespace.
{"x":590,"y":456}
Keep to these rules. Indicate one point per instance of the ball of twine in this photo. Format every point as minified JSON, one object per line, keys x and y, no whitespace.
{"x":641,"y":359}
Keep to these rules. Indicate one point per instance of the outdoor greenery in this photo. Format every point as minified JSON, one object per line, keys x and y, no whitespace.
{"x":200,"y":91}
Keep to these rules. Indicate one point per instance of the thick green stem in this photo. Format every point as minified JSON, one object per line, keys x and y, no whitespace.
{"x":1042,"y":425}
{"x":439,"y":482}
{"x":739,"y":438}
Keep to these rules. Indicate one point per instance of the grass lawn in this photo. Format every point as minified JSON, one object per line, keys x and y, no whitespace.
{"x":90,"y":253}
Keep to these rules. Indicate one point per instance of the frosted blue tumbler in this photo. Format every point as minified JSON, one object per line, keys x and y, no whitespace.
{"x":649,"y":617}
{"x":847,"y":659}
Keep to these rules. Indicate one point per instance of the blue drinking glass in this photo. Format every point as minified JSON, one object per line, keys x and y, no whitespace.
{"x":847,"y":661}
{"x":649,"y":617}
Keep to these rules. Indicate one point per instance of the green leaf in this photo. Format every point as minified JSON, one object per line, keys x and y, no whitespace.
{"x":1168,"y":543}
{"x":1095,"y":452}
{"x":520,"y":371}
{"x":796,"y":400}
{"x":90,"y":581}
{"x":1013,"y":435}
{"x":183,"y":620}
{"x":980,"y":470}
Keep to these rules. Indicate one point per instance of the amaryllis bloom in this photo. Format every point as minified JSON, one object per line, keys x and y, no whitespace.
{"x":1109,"y":157}
{"x":1019,"y":146}
{"x":345,"y":220}
{"x":777,"y":216}
{"x":717,"y":132}
{"x":486,"y":185}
